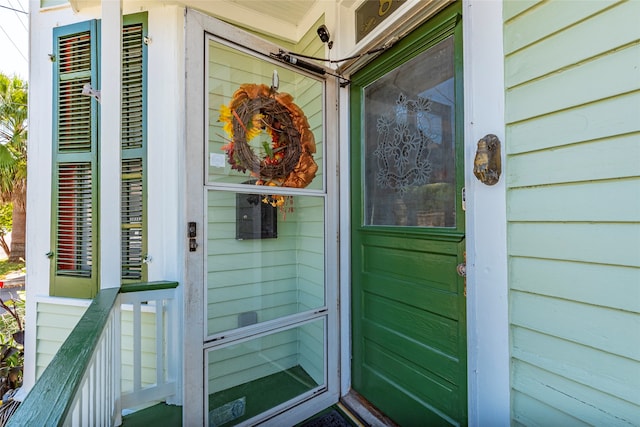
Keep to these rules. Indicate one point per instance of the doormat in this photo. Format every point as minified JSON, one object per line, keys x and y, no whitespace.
{"x":227,"y":412}
{"x":332,"y":418}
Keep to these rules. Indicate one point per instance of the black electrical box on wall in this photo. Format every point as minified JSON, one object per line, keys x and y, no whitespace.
{"x":254,"y":218}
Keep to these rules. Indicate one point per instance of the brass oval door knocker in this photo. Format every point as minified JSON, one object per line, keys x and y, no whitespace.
{"x":487,"y":165}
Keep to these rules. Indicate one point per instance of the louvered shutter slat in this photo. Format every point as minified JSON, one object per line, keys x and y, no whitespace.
{"x":132,"y":215}
{"x":132,"y":192}
{"x":74,"y":109}
{"x":75,"y":214}
{"x":132,"y":87}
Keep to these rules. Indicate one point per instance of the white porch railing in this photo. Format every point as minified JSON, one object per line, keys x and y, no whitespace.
{"x":96,"y":402}
{"x":159,"y":306}
{"x":82,"y":384}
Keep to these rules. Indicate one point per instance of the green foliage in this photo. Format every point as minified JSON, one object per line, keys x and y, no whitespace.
{"x":7,"y":267}
{"x":6,"y":225}
{"x":6,"y":210}
{"x":13,"y":158}
{"x":11,"y":334}
{"x":13,"y":127}
{"x":12,"y":343}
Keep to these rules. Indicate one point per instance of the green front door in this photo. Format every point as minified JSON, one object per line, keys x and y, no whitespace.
{"x":409,"y":323}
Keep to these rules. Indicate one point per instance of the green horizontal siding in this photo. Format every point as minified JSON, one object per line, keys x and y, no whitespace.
{"x":573,"y":210}
{"x":549,"y":166}
{"x":577,"y":44}
{"x":538,"y":20}
{"x":578,"y":85}
{"x":232,"y":366}
{"x":54,"y":323}
{"x":558,"y":278}
{"x":578,"y":124}
{"x":605,"y":372}
{"x":147,"y":346}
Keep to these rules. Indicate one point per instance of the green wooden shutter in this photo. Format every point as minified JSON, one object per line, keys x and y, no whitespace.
{"x":133,"y":192}
{"x":74,"y":268}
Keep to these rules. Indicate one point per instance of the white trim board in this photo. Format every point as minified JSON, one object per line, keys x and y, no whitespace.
{"x":486,"y":224}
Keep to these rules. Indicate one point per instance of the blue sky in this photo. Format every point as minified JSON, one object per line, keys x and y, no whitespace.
{"x":14,"y":38}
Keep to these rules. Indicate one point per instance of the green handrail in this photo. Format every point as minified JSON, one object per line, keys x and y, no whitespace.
{"x":49,"y":401}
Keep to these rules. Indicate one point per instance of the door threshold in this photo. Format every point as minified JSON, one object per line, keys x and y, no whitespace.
{"x":365,"y":411}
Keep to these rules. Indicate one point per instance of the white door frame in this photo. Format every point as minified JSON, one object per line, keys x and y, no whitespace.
{"x":486,"y":227}
{"x":487,"y":286}
{"x":196,"y":26}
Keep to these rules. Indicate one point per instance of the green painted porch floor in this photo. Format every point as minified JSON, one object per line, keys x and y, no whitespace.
{"x":259,"y":395}
{"x":264,"y":393}
{"x":157,"y":415}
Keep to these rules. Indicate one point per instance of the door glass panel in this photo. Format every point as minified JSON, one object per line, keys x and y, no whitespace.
{"x":265,"y":299}
{"x":246,"y":379}
{"x":263,"y":262}
{"x":229,"y":69}
{"x":409,"y":153}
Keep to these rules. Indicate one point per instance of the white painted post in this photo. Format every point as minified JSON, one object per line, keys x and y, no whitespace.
{"x":487,"y":287}
{"x":110,"y":169}
{"x":193,"y":289}
{"x":110,"y":132}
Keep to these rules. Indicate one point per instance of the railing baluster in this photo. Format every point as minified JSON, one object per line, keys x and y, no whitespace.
{"x":91,"y":389}
{"x":75,"y":419}
{"x":100,"y":377}
{"x":84,"y":404}
{"x":137,"y":347}
{"x":160,"y":338}
{"x":115,"y":367}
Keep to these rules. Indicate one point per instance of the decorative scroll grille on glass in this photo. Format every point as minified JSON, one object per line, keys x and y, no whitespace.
{"x":403,"y":147}
{"x":409,"y":149}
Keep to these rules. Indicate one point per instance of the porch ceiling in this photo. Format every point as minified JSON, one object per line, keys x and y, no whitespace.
{"x":284,"y":19}
{"x":291,"y":11}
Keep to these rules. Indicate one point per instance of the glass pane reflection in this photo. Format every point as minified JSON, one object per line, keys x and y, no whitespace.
{"x":256,"y":271}
{"x":252,"y":377}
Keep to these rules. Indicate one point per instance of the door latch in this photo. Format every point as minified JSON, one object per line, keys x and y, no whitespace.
{"x":462,"y":269}
{"x":192,"y":237}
